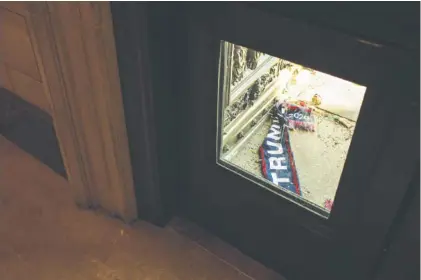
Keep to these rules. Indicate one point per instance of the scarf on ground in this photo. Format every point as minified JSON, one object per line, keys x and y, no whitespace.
{"x":277,"y":160}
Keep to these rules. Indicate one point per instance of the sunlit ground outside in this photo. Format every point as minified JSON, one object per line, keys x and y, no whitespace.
{"x":318,"y":155}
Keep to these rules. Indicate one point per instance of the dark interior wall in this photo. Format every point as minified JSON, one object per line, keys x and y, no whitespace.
{"x":31,"y":129}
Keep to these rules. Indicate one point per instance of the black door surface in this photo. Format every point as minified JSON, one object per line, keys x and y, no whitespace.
{"x":275,"y":203}
{"x":204,"y":86}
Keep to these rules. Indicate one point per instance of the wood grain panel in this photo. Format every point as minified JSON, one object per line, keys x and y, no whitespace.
{"x":16,"y":47}
{"x":29,"y":89}
{"x":18,"y":7}
{"x":5,"y":77}
{"x":61,"y":109}
{"x":104,"y":77}
{"x":75,"y":41}
{"x":70,"y":47}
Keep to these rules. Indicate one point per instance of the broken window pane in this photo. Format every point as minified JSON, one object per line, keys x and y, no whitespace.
{"x":287,"y":126}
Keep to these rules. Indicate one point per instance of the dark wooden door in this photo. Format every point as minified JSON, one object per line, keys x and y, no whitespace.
{"x":272,"y":225}
{"x":172,"y":65}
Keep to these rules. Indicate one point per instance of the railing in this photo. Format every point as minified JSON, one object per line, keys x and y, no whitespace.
{"x":250,"y":91}
{"x":240,"y":89}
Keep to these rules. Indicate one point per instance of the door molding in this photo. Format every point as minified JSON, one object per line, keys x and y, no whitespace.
{"x":78,"y":58}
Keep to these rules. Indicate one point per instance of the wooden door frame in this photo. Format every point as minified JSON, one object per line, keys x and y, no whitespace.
{"x":75,"y":47}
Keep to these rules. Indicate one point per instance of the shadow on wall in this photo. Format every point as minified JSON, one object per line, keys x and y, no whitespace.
{"x":31,"y":129}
